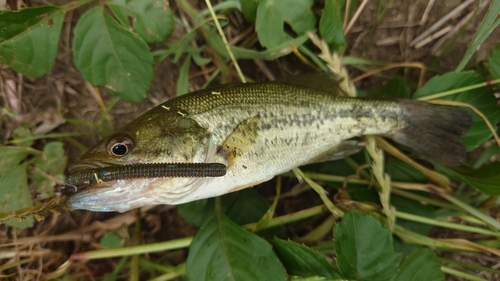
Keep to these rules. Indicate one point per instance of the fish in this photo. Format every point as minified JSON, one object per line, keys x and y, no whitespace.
{"x":250,"y":133}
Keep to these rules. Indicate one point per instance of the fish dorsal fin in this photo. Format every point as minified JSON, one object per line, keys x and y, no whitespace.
{"x":325,"y":82}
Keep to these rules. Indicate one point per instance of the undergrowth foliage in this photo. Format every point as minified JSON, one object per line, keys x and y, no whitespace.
{"x":111,"y":43}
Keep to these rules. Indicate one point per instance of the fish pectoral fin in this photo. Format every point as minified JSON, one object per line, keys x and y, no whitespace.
{"x":240,"y":140}
{"x":340,"y":151}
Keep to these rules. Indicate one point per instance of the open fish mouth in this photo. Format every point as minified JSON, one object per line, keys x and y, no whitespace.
{"x":92,"y":176}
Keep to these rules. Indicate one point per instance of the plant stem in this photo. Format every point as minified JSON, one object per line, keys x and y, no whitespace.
{"x":300,"y":215}
{"x":469,"y":265}
{"x":321,"y":192}
{"x":133,"y":250}
{"x":459,"y":90}
{"x":458,"y":273}
{"x":473,"y":211}
{"x":396,"y":190}
{"x":445,"y":224}
{"x":193,"y":14}
{"x":226,"y":44}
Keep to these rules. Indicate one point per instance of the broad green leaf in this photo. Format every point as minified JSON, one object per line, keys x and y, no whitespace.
{"x":111,"y":240}
{"x":272,"y":14}
{"x":22,"y":135}
{"x":401,"y":171}
{"x":50,"y":167}
{"x":14,"y":195}
{"x":53,"y":160}
{"x":11,"y":157}
{"x":222,"y":250}
{"x":489,"y":23}
{"x":110,"y":56}
{"x":416,"y":208}
{"x":234,"y":205}
{"x":249,"y":9}
{"x":29,"y":39}
{"x":269,"y":54}
{"x":197,"y":212}
{"x":364,"y":248}
{"x":330,"y":25}
{"x":482,"y":98}
{"x":151,"y":19}
{"x":297,"y":14}
{"x":494,"y":62}
{"x":395,"y":88}
{"x":421,"y":264}
{"x":485,"y":180}
{"x":269,"y":25}
{"x":300,"y":260}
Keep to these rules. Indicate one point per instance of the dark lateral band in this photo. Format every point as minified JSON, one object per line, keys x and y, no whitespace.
{"x":90,"y":177}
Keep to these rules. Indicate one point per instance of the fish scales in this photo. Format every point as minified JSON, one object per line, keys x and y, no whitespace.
{"x":295,"y":124}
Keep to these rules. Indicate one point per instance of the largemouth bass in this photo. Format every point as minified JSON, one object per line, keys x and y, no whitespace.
{"x":256,"y":131}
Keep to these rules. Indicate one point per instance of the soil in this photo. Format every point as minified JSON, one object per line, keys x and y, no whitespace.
{"x":376,"y":35}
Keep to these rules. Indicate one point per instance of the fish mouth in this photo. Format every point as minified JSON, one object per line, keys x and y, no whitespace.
{"x":99,"y":198}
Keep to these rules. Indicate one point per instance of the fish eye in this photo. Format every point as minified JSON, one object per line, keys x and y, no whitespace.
{"x":120,"y":146}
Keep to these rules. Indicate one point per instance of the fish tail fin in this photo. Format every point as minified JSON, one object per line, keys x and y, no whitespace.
{"x":434,"y":131}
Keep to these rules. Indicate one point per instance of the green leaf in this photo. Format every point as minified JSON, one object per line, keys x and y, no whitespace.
{"x":54,"y":160}
{"x":222,"y":250}
{"x":11,"y":157}
{"x":29,"y":39}
{"x":302,"y":261}
{"x":199,"y":60}
{"x":412,"y":207}
{"x":234,"y":205}
{"x":416,"y":208}
{"x":183,"y":81}
{"x":486,"y":155}
{"x":395,"y":88}
{"x":485,"y":180}
{"x":269,"y":25}
{"x":178,"y":48}
{"x":110,"y":56}
{"x":401,"y":171}
{"x":152,"y":20}
{"x":364,"y":248}
{"x":297,"y":14}
{"x":421,"y":264}
{"x":272,"y":14}
{"x":111,"y":240}
{"x":482,"y":98}
{"x":249,"y":9}
{"x":269,"y":54}
{"x":494,"y":62}
{"x":330,"y":25}
{"x":22,"y":135}
{"x":14,"y":195}
{"x":197,"y":212}
{"x":489,"y":23}
{"x":50,"y":168}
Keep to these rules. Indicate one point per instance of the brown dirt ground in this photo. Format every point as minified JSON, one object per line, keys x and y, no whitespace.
{"x":386,"y":40}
